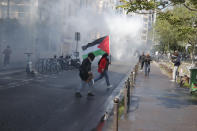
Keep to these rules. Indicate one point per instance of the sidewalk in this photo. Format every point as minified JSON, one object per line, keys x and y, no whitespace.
{"x":159,"y":105}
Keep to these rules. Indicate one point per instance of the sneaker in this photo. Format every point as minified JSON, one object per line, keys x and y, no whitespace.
{"x":109,"y":86}
{"x":90,"y":94}
{"x":78,"y":94}
{"x":172,"y":80}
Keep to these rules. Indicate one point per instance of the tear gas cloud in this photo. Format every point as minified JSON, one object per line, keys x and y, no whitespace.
{"x":124,"y":31}
{"x":51,"y":27}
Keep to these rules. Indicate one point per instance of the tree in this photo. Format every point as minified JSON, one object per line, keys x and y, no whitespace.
{"x":182,"y":24}
{"x":141,"y":6}
{"x":166,"y":35}
{"x":175,"y":26}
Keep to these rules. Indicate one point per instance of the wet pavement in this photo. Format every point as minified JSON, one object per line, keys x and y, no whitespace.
{"x":47,"y":102}
{"x":157,"y":104}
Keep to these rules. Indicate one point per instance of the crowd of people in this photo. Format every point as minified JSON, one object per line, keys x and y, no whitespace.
{"x":145,"y":61}
{"x":168,"y":56}
{"x":86,"y":75}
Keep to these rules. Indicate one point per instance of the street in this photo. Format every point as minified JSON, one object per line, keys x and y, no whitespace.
{"x":147,"y":48}
{"x":48,"y":103}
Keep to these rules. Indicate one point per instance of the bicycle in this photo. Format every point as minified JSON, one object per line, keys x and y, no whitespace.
{"x":40,"y":65}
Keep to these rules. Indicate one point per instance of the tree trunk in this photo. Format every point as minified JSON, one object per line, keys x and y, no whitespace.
{"x":193,"y":53}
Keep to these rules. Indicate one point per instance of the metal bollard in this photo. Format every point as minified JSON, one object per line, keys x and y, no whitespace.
{"x":137,"y":66}
{"x":116,"y":105}
{"x":131,"y":81}
{"x":134,"y":76}
{"x":125,"y":99}
{"x":128,"y":92}
{"x":176,"y":77}
{"x":136,"y":69}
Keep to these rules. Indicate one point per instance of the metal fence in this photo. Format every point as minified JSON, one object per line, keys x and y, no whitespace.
{"x":129,"y":84}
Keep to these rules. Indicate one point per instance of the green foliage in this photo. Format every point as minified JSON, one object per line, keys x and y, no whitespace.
{"x":141,"y":5}
{"x":176,"y":27}
{"x":165,"y":35}
{"x":178,"y":1}
{"x":186,"y":84}
{"x":121,"y":108}
{"x":136,"y":5}
{"x":192,"y":3}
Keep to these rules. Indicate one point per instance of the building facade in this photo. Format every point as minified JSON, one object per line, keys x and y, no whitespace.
{"x":147,"y":32}
{"x":17,"y":9}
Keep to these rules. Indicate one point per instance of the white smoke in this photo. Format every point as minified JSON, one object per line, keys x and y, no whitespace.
{"x":51,"y":26}
{"x":124,"y":31}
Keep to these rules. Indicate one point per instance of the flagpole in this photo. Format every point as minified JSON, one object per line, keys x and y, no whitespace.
{"x":109,"y":50}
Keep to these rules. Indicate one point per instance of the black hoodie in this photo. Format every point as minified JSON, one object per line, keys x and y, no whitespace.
{"x":84,"y":69}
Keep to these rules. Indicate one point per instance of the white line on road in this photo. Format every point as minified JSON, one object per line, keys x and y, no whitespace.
{"x":11,"y":72}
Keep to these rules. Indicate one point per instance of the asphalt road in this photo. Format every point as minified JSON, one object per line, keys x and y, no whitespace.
{"x":47,"y":102}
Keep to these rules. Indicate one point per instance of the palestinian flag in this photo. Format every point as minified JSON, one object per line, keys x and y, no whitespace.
{"x":98,"y":47}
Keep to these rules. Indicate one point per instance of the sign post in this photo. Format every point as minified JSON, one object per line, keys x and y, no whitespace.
{"x":77,"y":38}
{"x":29,"y":63}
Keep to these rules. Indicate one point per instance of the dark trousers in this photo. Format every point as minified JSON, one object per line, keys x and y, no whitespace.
{"x":147,"y":69}
{"x":142,"y":65}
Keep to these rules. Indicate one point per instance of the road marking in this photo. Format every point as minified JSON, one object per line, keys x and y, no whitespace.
{"x":11,"y":72}
{"x":21,"y":82}
{"x":16,"y":84}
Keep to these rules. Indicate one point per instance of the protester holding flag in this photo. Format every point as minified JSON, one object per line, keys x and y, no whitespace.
{"x":98,"y":47}
{"x":86,"y":75}
{"x":103,"y":69}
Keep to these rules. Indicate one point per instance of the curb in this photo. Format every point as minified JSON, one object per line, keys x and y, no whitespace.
{"x":105,"y":114}
{"x":118,"y":92}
